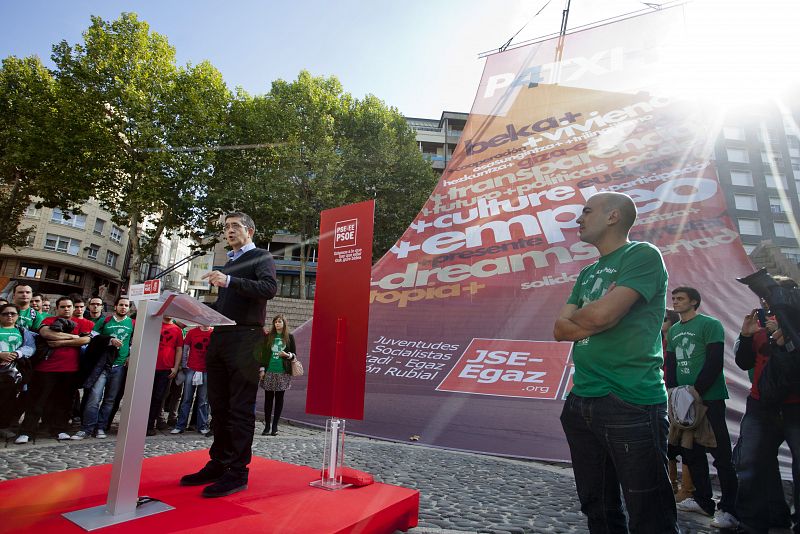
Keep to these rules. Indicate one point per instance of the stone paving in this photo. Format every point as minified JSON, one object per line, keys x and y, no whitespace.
{"x":459,"y":492}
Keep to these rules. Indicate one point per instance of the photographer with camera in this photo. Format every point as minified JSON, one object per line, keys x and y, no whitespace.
{"x":760,"y":502}
{"x":695,"y":349}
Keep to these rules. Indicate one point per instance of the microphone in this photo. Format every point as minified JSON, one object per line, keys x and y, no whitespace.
{"x":178,"y":264}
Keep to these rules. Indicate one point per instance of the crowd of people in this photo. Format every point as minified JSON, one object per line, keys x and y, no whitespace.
{"x":649,"y":389}
{"x":68,"y":370}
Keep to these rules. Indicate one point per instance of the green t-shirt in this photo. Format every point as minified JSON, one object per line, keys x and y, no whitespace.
{"x":122,"y":330}
{"x":626,"y":359}
{"x":275,"y":361}
{"x":10,"y":339}
{"x":688,"y":341}
{"x":30,"y":319}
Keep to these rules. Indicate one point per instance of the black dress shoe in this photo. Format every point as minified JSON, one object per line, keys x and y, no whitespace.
{"x":273,"y":433}
{"x":264,"y":432}
{"x":151,"y":432}
{"x":229,"y":483}
{"x":208,"y":474}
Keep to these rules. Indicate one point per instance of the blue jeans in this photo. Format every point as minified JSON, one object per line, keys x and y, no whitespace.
{"x":102,"y":397}
{"x":616,"y":444}
{"x":762,"y":431}
{"x":186,"y":403}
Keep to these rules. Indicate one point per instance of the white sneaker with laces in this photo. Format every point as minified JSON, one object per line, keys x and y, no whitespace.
{"x":690,"y":505}
{"x":723,"y":519}
{"x":80,"y":434}
{"x":176,"y":431}
{"x":22,"y":438}
{"x":101,"y":434}
{"x":63,"y":436}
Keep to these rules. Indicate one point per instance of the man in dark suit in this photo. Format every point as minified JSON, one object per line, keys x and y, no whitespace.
{"x":245,"y":285}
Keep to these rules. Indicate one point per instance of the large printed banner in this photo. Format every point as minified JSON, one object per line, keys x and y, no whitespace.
{"x":461,"y":352}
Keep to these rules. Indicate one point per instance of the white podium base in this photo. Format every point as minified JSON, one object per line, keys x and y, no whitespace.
{"x":99,"y":516}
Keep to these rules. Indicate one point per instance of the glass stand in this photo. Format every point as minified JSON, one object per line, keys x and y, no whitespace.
{"x":332,"y":456}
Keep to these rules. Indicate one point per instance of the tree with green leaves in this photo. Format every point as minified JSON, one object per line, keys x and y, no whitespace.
{"x":322,"y":148}
{"x":147,"y":124}
{"x":35,"y":138}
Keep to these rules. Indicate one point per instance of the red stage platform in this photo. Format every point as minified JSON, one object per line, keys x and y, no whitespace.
{"x":277,"y":500}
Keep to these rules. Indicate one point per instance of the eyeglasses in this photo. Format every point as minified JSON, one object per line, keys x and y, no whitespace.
{"x":9,"y":314}
{"x":234,"y":226}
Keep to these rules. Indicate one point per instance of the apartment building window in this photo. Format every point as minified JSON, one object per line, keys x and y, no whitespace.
{"x":737,"y":155}
{"x":73,"y":277}
{"x":111,"y":259}
{"x":749,"y":226}
{"x":742,"y":178}
{"x":28,"y":270}
{"x":792,"y":253}
{"x":99,"y":226}
{"x":783,"y":229}
{"x":68,"y":219}
{"x":733,"y":132}
{"x":60,"y":243}
{"x":29,"y":239}
{"x":53,"y":273}
{"x":771,"y":158}
{"x":116,"y":234}
{"x":745,"y":202}
{"x":780,"y":183}
{"x":92,"y":252}
{"x":776,"y":205}
{"x":796,"y":164}
{"x":32,"y":211}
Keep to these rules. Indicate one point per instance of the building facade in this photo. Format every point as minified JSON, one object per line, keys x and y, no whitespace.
{"x":67,"y":253}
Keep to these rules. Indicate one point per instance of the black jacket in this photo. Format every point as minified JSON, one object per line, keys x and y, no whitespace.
{"x":98,"y":355}
{"x":252,"y":284}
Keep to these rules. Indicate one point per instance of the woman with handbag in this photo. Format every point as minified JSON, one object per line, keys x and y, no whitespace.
{"x":276,"y":355}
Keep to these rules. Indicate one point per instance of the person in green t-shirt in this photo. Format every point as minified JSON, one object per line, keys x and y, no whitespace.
{"x":614,"y":316}
{"x":28,"y":317}
{"x":694,"y":357}
{"x":110,"y":382}
{"x":15,"y":343}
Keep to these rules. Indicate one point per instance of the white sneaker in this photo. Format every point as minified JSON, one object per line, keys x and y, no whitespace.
{"x":176,"y":431}
{"x":22,"y":438}
{"x":80,"y":434}
{"x":723,"y":519}
{"x":101,"y":434}
{"x":204,"y":431}
{"x":63,"y":436}
{"x":690,"y":505}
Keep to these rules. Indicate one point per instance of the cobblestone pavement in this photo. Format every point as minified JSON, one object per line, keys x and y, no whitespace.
{"x":460,"y":492}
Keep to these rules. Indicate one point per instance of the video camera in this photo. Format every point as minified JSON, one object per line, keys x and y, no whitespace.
{"x":783,"y":302}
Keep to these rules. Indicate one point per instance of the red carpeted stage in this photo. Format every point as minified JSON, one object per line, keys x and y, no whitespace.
{"x":278,"y":500}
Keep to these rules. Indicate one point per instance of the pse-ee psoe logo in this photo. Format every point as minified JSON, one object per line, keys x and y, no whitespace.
{"x":345,"y":234}
{"x":510,"y":368}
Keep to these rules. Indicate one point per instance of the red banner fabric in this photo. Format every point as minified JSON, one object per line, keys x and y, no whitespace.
{"x":461,"y":352}
{"x":341,"y":312}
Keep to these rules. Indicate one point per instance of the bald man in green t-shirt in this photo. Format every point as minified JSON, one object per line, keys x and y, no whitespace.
{"x":615,"y":417}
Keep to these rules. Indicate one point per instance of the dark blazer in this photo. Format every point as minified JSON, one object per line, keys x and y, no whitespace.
{"x":252,"y":284}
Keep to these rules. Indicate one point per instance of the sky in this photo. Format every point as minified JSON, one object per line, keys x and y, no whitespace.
{"x":420,"y":56}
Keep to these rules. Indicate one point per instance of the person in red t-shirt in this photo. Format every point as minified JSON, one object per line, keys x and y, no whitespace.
{"x":168,"y":361}
{"x":195,"y":378}
{"x":53,"y":382}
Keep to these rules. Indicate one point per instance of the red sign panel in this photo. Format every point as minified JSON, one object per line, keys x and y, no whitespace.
{"x":337,"y":366}
{"x":509,"y":368}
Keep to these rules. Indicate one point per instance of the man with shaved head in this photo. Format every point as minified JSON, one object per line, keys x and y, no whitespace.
{"x":615,"y":418}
